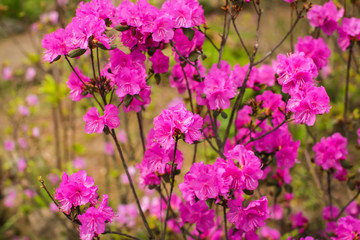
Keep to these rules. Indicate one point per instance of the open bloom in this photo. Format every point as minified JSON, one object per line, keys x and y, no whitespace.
{"x":96,"y":123}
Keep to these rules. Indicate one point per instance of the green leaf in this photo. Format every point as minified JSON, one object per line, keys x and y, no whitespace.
{"x":128,"y":99}
{"x":122,"y":28}
{"x":346,"y":164}
{"x":193,"y":56}
{"x":76,"y":53}
{"x":189,"y":33}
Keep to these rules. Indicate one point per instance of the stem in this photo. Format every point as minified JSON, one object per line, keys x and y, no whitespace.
{"x":225,"y":223}
{"x":225,"y":33}
{"x":299,"y":16}
{"x":188,"y":89}
{"x":347,"y":88}
{"x":139,"y":118}
{"x":121,"y":234}
{"x":172,"y":173}
{"x":195,"y":151}
{"x":329,"y":193}
{"x":344,"y":208}
{"x":113,"y":134}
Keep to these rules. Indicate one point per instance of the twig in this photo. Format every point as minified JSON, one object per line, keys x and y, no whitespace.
{"x":141,"y":129}
{"x":225,"y":222}
{"x":299,"y":16}
{"x":121,"y":234}
{"x":113,"y":134}
{"x":346,"y":100}
{"x":344,"y":208}
{"x":172,"y":173}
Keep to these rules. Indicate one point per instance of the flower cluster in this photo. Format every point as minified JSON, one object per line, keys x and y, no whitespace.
{"x":78,"y":190}
{"x":329,"y":152}
{"x":325,"y":17}
{"x":296,"y":75}
{"x":349,"y":31}
{"x":96,"y":123}
{"x":241,"y":171}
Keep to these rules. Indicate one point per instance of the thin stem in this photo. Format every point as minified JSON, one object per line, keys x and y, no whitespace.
{"x":225,"y":34}
{"x":299,"y":16}
{"x":141,"y":129}
{"x":172,"y":173}
{"x":225,"y":223}
{"x":195,"y":151}
{"x":347,"y":88}
{"x":93,"y":94}
{"x":267,"y":133}
{"x":208,"y":38}
{"x":121,"y":234}
{"x":329,"y":192}
{"x":113,"y":134}
{"x":188,"y":89}
{"x":240,"y":38}
{"x":344,"y":208}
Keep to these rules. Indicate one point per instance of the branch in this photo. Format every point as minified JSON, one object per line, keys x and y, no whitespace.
{"x":344,"y":208}
{"x":121,"y":234}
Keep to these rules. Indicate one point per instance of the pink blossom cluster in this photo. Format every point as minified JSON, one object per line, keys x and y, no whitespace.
{"x":198,"y":213}
{"x":329,"y":152}
{"x":296,"y":75}
{"x":78,"y":190}
{"x":128,"y":73}
{"x":348,"y":32}
{"x":241,"y":171}
{"x":325,"y":17}
{"x":248,"y":219}
{"x":96,"y":123}
{"x":347,"y":228}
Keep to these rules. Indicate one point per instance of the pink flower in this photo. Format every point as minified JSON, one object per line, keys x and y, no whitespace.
{"x":127,"y":215}
{"x":276,"y":212}
{"x":9,"y":145}
{"x":330,"y":151}
{"x":163,"y":29}
{"x":348,"y":228}
{"x":21,"y":165}
{"x":111,"y":116}
{"x":79,"y":163}
{"x":160,"y":62}
{"x":56,"y":45}
{"x":269,"y":233}
{"x":248,"y":218}
{"x":325,"y":17}
{"x":94,"y":123}
{"x":198,"y":213}
{"x":330,"y":213}
{"x":306,"y":105}
{"x":109,"y":148}
{"x":92,"y":223}
{"x":298,"y":220}
{"x":122,"y":137}
{"x":23,"y":111}
{"x":53,"y":178}
{"x":316,"y":49}
{"x":295,"y":71}
{"x":175,"y":121}
{"x":76,"y":85}
{"x":36,"y":132}
{"x":30,"y":193}
{"x":32,"y":100}
{"x":30,"y":74}
{"x":10,"y":198}
{"x":349,"y":31}
{"x":53,"y":207}
{"x":7,"y":73}
{"x":76,"y":190}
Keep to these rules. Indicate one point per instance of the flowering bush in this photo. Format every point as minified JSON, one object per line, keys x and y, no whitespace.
{"x":249,"y":117}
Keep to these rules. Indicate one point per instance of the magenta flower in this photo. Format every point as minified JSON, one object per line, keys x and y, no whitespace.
{"x":92,"y":223}
{"x":160,"y":62}
{"x":250,"y":218}
{"x":94,"y":123}
{"x":127,"y":214}
{"x":163,"y":29}
{"x":198,"y":213}
{"x":76,"y":85}
{"x":330,"y":151}
{"x":111,"y":116}
{"x":348,"y":228}
{"x":243,"y":167}
{"x":325,"y":17}
{"x":316,"y":49}
{"x":269,"y":233}
{"x":9,"y":145}
{"x":173,"y":122}
{"x":330,"y":213}
{"x":298,"y":220}
{"x":55,"y":44}
{"x":349,"y":31}
{"x":184,"y":45}
{"x":76,"y":190}
{"x":295,"y":71}
{"x":306,"y":105}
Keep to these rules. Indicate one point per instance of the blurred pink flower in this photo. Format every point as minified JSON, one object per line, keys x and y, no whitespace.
{"x":9,"y":145}
{"x":7,"y":73}
{"x":36,"y":132}
{"x":10,"y":197}
{"x":32,"y":100}
{"x":79,"y":163}
{"x":21,"y":165}
{"x":24,"y":111}
{"x":30,"y":74}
